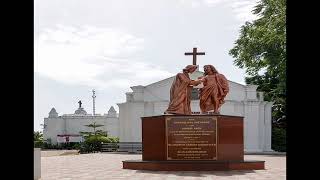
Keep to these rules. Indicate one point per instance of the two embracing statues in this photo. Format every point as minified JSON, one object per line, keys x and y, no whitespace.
{"x":212,"y":94}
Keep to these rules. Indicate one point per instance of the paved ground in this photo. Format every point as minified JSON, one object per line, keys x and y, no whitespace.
{"x":109,"y":166}
{"x":47,"y":153}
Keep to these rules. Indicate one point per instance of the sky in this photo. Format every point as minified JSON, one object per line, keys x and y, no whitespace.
{"x":111,"y":45}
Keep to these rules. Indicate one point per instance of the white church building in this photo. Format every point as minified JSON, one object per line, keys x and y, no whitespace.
{"x":242,"y":100}
{"x":60,"y":129}
{"x":153,"y":99}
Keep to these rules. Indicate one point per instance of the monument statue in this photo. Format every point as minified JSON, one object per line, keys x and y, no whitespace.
{"x":197,"y":142}
{"x":80,"y":103}
{"x":215,"y":88}
{"x":180,"y":92}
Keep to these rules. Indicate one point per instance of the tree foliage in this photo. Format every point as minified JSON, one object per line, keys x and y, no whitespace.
{"x":94,"y":139}
{"x":95,"y":131}
{"x":37,"y":136}
{"x":261,"y":51}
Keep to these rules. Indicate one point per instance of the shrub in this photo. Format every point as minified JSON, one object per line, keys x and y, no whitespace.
{"x":70,"y":145}
{"x":38,"y":144}
{"x":114,"y":139}
{"x":279,"y":139}
{"x":93,"y":143}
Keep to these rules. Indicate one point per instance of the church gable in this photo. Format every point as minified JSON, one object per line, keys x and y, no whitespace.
{"x":160,"y":91}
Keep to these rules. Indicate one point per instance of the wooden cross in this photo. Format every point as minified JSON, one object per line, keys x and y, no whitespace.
{"x":194,"y":53}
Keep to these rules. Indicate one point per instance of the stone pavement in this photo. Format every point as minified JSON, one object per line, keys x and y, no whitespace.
{"x":47,"y":153}
{"x":109,"y":166}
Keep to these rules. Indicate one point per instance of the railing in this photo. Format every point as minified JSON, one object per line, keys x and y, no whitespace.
{"x":131,"y":147}
{"x":109,"y":147}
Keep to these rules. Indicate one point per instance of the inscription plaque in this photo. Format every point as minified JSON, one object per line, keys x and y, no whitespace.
{"x":191,"y":138}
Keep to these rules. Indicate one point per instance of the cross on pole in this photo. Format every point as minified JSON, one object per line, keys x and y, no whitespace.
{"x":194,"y":53}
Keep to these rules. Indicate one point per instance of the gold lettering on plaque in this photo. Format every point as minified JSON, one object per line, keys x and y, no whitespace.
{"x":189,"y":139}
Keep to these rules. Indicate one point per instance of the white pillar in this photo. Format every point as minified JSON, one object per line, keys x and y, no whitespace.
{"x":37,"y":163}
{"x":251,"y":126}
{"x":268,"y":125}
{"x":124,"y":126}
{"x":262,"y":127}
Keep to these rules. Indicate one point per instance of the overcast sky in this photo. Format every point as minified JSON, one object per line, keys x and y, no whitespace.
{"x":110,"y":45}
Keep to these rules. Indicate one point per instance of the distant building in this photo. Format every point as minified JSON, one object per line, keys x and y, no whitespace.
{"x":67,"y":128}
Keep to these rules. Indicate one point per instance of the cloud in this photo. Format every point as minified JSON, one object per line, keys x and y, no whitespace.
{"x":93,"y":56}
{"x":240,"y":8}
{"x":190,"y":3}
{"x":214,"y":2}
{"x":243,"y":9}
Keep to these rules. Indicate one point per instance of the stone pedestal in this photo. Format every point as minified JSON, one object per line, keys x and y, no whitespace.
{"x":194,"y":142}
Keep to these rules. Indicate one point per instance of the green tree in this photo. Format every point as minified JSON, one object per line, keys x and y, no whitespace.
{"x":94,"y":139}
{"x":95,"y":131}
{"x":37,"y":139}
{"x":261,"y":51}
{"x":37,"y":136}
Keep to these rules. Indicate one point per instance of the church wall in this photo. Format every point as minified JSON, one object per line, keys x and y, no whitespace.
{"x":130,"y":121}
{"x":137,"y":111}
{"x":158,"y":91}
{"x":251,"y":126}
{"x":77,"y":124}
{"x":194,"y":105}
{"x":138,"y":93}
{"x":70,"y":124}
{"x":124,"y":122}
{"x":234,"y":108}
{"x":54,"y":126}
{"x":236,"y":93}
{"x":112,"y":125}
{"x":148,"y":109}
{"x":160,"y":107}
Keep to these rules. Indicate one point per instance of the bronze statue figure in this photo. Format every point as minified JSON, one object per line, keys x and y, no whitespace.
{"x":215,"y":88}
{"x":180,"y":92}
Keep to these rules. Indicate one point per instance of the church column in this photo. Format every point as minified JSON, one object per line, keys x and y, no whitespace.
{"x":262,"y":127}
{"x":124,"y":122}
{"x":268,"y":126}
{"x":130,"y":121}
{"x":130,"y":114}
{"x":137,"y":111}
{"x":251,"y":124}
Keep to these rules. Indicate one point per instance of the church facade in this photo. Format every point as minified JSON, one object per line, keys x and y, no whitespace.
{"x":67,"y":128}
{"x":242,"y":100}
{"x":153,"y":99}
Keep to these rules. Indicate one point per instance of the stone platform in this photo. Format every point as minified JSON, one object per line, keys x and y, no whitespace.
{"x":193,"y":165}
{"x":193,"y":143}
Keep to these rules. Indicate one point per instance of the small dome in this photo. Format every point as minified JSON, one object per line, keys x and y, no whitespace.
{"x":80,"y":111}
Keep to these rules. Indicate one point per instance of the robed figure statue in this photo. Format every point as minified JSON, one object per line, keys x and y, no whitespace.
{"x":180,"y":92}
